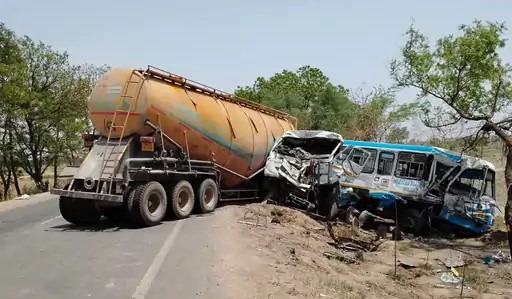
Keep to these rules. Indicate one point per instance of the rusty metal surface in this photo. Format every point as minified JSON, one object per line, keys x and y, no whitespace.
{"x":237,"y":133}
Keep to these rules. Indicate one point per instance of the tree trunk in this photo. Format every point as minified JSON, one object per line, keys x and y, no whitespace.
{"x":55,"y":172}
{"x":15,"y":179}
{"x":508,"y":205}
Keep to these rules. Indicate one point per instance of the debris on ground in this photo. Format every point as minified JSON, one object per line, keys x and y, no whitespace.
{"x":22,"y":197}
{"x":307,"y":256}
{"x":499,"y":257}
{"x":454,"y":262}
{"x":449,"y":277}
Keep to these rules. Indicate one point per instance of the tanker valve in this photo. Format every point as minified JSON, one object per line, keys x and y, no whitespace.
{"x":147,"y":143}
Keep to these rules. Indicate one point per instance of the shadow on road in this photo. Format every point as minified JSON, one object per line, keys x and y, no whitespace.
{"x":105,"y":225}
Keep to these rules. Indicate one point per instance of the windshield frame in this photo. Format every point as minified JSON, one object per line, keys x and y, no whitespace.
{"x":480,"y":185}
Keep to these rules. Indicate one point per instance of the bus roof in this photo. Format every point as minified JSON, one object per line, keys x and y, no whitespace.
{"x":406,"y":147}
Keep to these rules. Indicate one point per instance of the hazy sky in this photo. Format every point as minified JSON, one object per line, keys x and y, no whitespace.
{"x":227,"y":43}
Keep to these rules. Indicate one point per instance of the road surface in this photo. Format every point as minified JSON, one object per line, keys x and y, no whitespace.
{"x":42,"y":256}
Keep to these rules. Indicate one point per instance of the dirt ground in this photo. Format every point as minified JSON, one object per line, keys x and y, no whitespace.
{"x":290,"y":255}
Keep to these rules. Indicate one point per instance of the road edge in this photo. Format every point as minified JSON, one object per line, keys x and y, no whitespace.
{"x":9,"y":205}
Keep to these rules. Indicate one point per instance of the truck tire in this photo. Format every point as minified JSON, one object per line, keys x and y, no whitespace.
{"x":79,"y":211}
{"x":208,"y":196}
{"x":114,"y":214}
{"x":147,"y":204}
{"x":182,"y":199}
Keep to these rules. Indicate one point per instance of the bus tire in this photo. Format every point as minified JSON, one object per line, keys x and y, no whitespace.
{"x":182,"y":199}
{"x":79,"y":211}
{"x":208,"y":196}
{"x":148,"y":204}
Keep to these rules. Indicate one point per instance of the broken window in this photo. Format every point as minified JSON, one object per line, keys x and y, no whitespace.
{"x":313,"y":146}
{"x":410,"y":165}
{"x":469,"y":183}
{"x":370,"y":165}
{"x":385,"y":165}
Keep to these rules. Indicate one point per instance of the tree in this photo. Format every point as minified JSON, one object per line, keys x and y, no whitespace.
{"x":319,"y":104}
{"x":398,"y":135}
{"x":43,"y":106}
{"x":11,"y":61}
{"x":377,"y":114}
{"x":293,"y":92}
{"x":467,"y":78}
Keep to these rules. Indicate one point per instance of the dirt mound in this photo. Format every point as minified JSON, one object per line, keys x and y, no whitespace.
{"x":301,"y":257}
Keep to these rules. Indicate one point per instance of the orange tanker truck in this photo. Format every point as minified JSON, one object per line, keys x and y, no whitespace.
{"x":166,"y":145}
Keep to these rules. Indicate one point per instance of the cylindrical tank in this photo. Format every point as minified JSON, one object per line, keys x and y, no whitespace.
{"x":237,"y":133}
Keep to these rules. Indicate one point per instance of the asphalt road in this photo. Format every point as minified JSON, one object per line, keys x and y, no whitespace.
{"x":42,"y":256}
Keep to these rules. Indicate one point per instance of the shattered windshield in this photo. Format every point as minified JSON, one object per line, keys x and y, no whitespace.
{"x":305,"y":147}
{"x":471,"y":182}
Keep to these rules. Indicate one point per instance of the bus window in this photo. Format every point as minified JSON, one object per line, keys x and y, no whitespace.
{"x":370,"y":165}
{"x":410,"y":165}
{"x":385,"y":165}
{"x":489,"y":184}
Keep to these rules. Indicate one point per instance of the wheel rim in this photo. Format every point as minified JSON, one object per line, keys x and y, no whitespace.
{"x":153,"y":203}
{"x":183,"y":199}
{"x":208,"y":195}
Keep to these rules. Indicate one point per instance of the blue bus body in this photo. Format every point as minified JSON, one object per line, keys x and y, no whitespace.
{"x":427,"y":183}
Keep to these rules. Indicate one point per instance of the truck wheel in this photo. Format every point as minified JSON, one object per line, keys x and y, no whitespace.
{"x":147,"y":204}
{"x":79,"y":211}
{"x":114,"y":214}
{"x":182,"y":200}
{"x":208,"y":196}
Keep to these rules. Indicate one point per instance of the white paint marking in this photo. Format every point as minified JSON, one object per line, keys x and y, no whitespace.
{"x":144,"y":285}
{"x":49,"y":220}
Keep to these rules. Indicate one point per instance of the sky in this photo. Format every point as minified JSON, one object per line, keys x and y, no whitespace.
{"x":227,"y":43}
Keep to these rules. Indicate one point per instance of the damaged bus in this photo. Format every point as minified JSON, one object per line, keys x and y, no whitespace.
{"x":303,"y":170}
{"x":429,"y":185}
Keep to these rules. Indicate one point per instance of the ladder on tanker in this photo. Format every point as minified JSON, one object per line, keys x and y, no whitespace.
{"x":114,"y":151}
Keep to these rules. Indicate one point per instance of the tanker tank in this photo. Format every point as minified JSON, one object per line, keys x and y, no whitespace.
{"x":238,"y":133}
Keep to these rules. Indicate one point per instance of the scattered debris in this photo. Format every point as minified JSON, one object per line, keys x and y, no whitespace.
{"x":499,"y":257}
{"x":454,"y":262}
{"x":22,"y":197}
{"x":342,"y":258}
{"x":449,"y":277}
{"x":407,"y":264}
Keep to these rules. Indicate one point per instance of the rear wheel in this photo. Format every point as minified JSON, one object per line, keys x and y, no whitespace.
{"x":208,"y":196}
{"x":115,"y":214}
{"x":182,"y":199}
{"x":147,"y":204}
{"x":79,"y":211}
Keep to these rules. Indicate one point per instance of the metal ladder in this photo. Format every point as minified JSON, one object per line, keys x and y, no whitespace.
{"x":107,"y":157}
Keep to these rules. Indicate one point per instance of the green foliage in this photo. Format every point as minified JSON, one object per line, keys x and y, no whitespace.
{"x":398,"y":135}
{"x":319,"y":104}
{"x":43,"y":105}
{"x":465,"y":72}
{"x":465,"y":75}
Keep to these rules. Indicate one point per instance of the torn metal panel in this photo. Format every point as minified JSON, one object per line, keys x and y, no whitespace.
{"x":297,"y":148}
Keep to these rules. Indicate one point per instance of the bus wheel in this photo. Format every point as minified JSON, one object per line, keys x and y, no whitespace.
{"x":148,"y":204}
{"x":208,"y":196}
{"x":182,"y":200}
{"x":79,"y":211}
{"x":415,"y":222}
